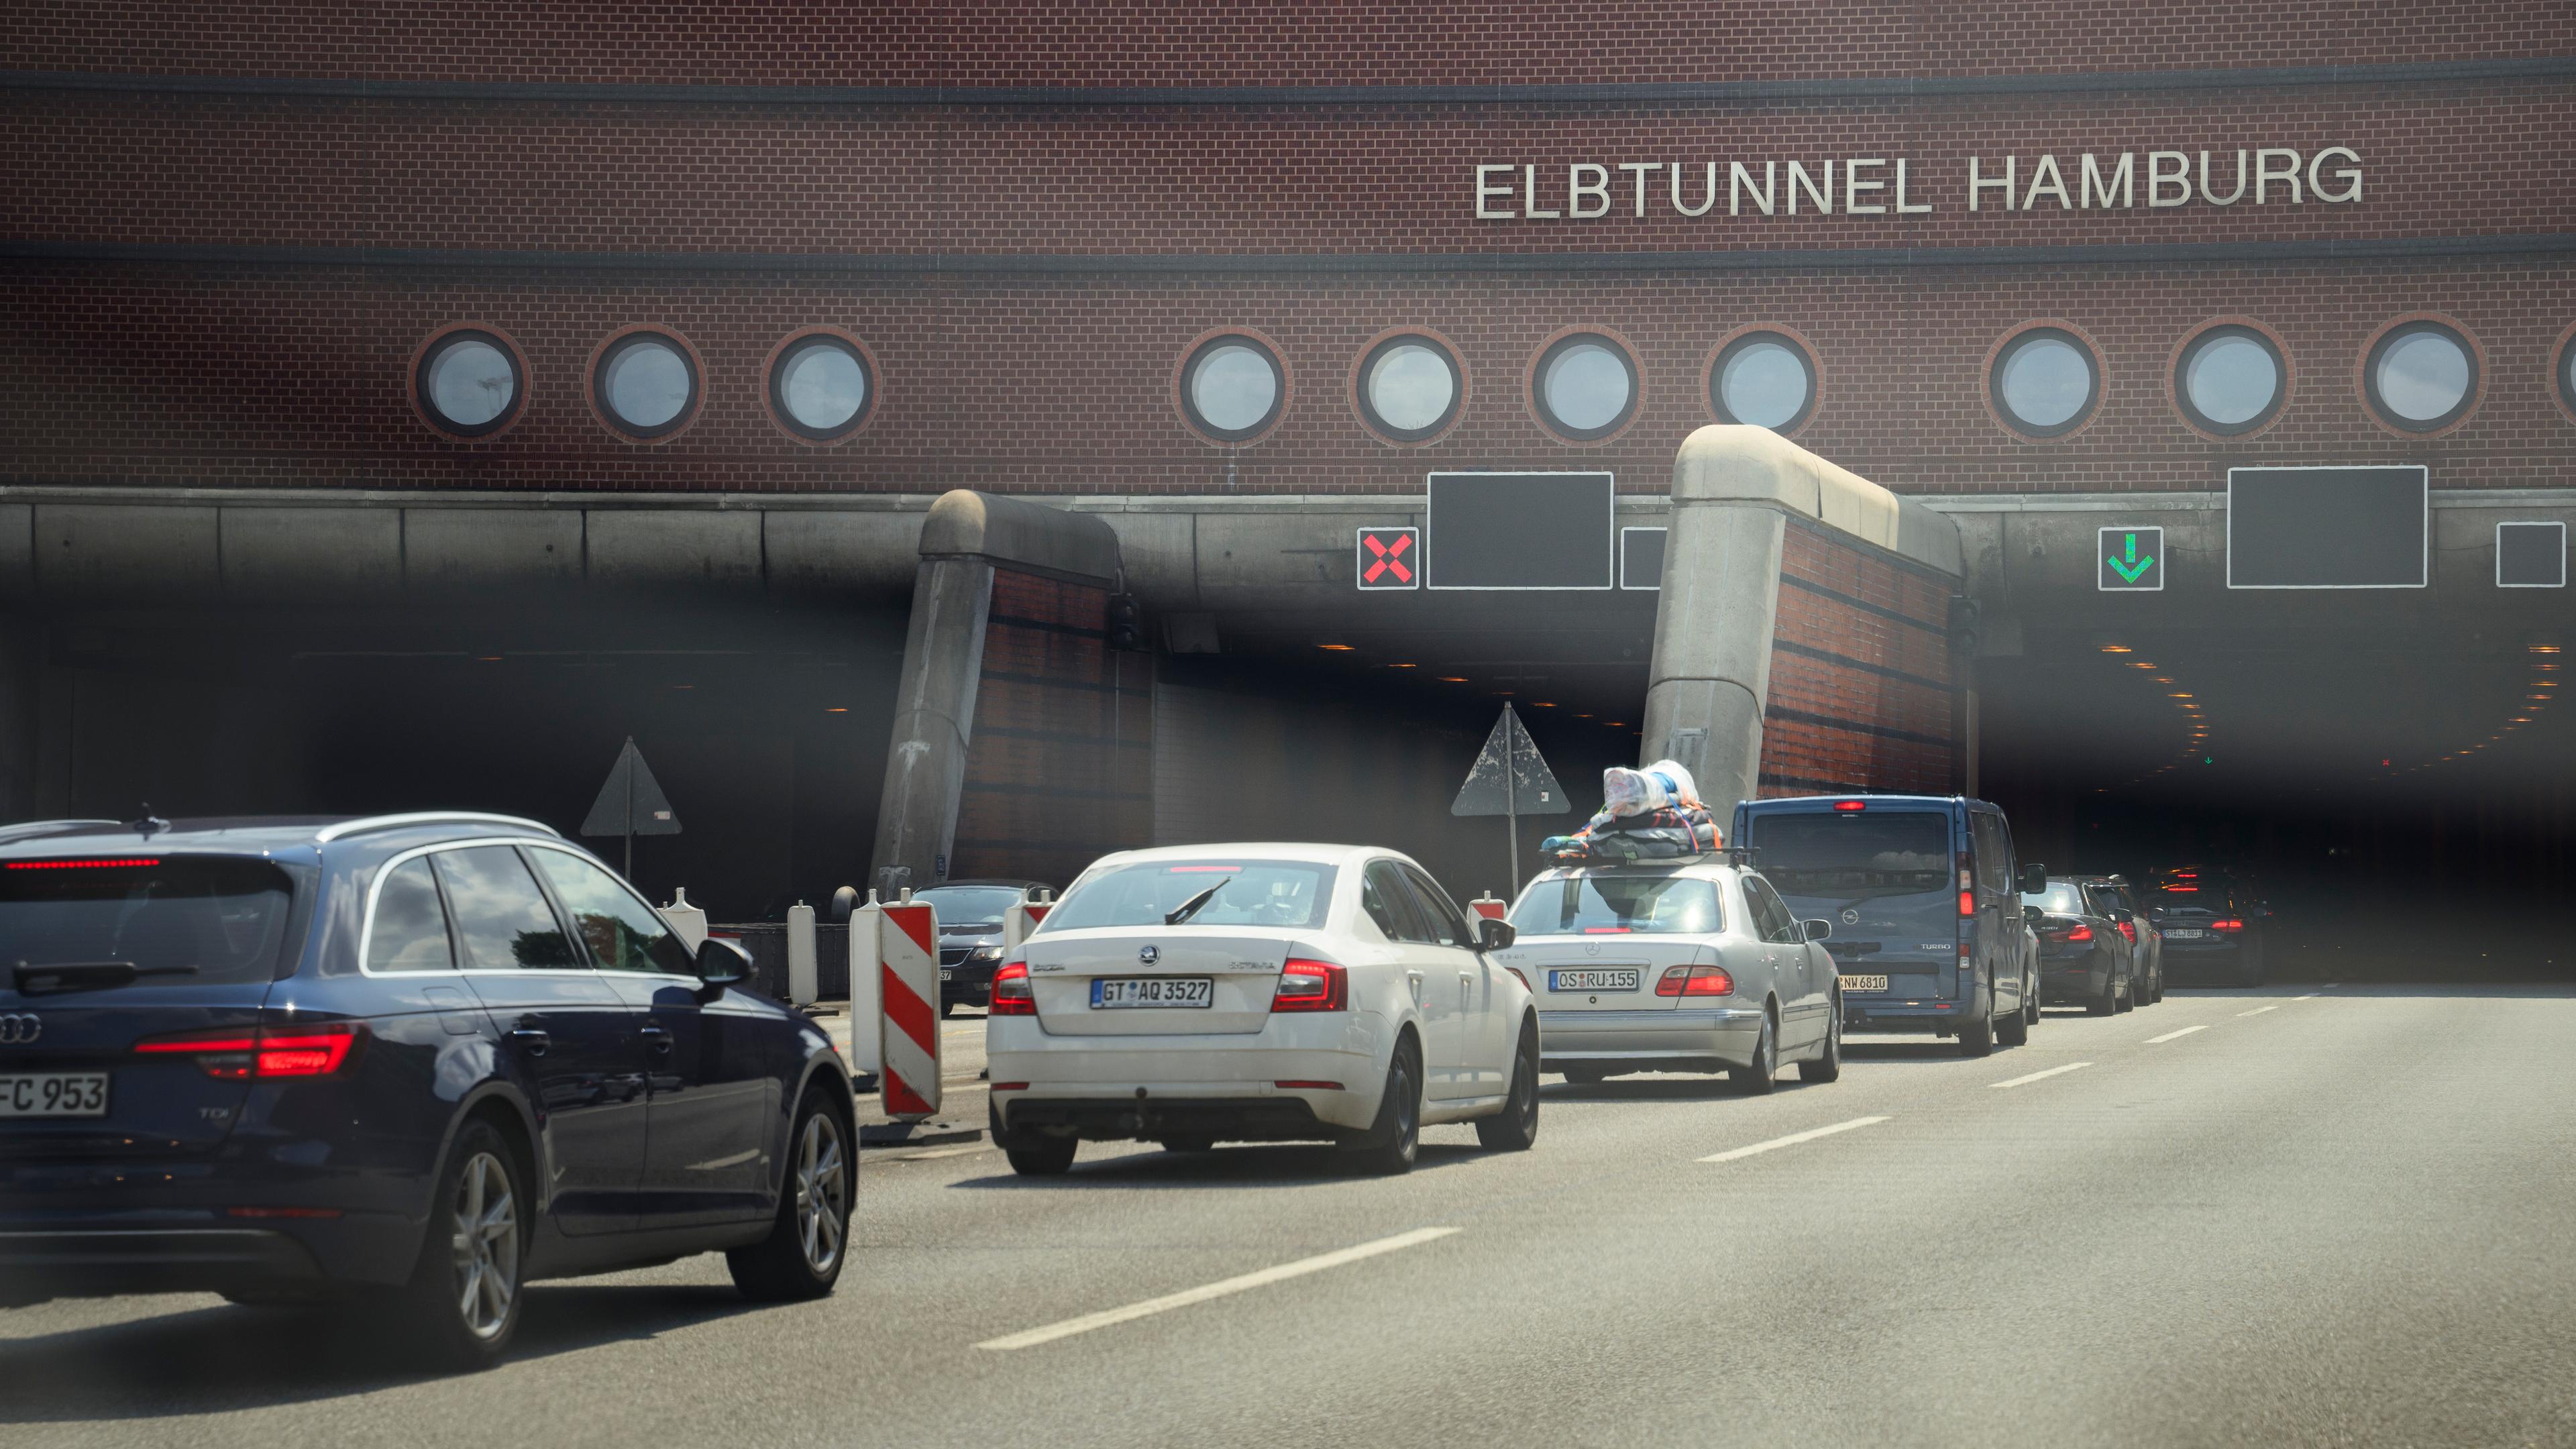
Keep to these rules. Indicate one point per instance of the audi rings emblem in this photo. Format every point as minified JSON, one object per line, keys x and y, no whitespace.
{"x":20,"y":1028}
{"x":1147,"y":956}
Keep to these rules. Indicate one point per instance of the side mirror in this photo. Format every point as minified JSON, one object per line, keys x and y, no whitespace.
{"x":1818,"y":929}
{"x":2034,"y":878}
{"x":723,"y":962}
{"x":2033,"y":915}
{"x":1494,"y":935}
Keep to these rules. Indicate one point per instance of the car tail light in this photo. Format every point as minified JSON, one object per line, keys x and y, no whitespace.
{"x":1010,"y":1086}
{"x":2130,"y":930}
{"x":1308,"y":1086}
{"x":1695,"y":981}
{"x":1851,"y":805}
{"x":2067,"y":933}
{"x":1967,"y":903}
{"x":1311,"y":986}
{"x":120,"y":862}
{"x":1517,"y":976}
{"x":1011,"y":994}
{"x":2227,"y":923}
{"x":263,"y":1052}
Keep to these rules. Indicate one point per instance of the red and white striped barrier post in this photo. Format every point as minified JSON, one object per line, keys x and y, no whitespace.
{"x":1020,"y":920}
{"x":908,"y":1008}
{"x":1490,"y":908}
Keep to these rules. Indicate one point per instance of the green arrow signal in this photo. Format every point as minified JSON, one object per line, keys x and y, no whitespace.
{"x":2133,"y":567}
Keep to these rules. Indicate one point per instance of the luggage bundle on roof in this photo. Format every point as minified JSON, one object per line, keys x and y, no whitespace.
{"x":1649,"y":814}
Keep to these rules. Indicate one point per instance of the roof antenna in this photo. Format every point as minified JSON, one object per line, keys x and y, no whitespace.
{"x":149,"y":823}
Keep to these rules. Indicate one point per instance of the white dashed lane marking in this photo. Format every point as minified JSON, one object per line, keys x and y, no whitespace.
{"x":2169,"y":1036}
{"x":2041,"y":1076}
{"x":1031,"y":1338}
{"x":2258,"y":1011}
{"x":1792,"y":1140}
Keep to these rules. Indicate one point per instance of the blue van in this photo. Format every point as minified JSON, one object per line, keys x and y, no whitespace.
{"x":1925,"y":900}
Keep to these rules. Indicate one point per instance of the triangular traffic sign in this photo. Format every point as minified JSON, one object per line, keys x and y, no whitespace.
{"x":1510,"y":777}
{"x":632,"y":802}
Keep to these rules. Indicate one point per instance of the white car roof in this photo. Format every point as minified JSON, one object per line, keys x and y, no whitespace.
{"x":1254,"y":850}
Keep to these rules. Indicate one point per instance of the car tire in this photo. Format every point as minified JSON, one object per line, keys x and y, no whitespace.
{"x":2013,"y":1028}
{"x":2030,"y":1001}
{"x":1761,"y":1076}
{"x":2124,"y":1001}
{"x":1827,"y":1065}
{"x":2109,"y":1001}
{"x":1189,"y":1144}
{"x":1395,"y":1138}
{"x":1977,"y":1040}
{"x":806,"y":1248}
{"x":946,"y":1006}
{"x":1515,"y":1127}
{"x":462,"y":1305}
{"x":1032,"y":1154}
{"x":1586,"y":1076}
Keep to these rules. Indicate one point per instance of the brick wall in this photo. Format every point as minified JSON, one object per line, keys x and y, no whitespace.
{"x":1861,"y":683}
{"x":1059,"y":767}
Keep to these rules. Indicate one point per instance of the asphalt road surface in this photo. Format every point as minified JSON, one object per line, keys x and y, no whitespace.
{"x":2299,"y":1215}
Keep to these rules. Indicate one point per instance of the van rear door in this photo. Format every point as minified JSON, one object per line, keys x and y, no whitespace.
{"x":1885,"y":877}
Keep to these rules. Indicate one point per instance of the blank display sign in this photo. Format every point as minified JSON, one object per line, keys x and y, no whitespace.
{"x":1641,"y":558}
{"x":1517,"y":531}
{"x":2327,"y":528}
{"x":2531,"y":555}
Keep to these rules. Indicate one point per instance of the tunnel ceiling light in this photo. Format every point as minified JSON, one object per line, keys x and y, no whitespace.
{"x":1542,"y":704}
{"x":2544,"y":648}
{"x":1404,"y":666}
{"x":836,"y":709}
{"x":1335,"y":648}
{"x":1452,"y":679}
{"x":489,"y":659}
{"x":2115,"y":648}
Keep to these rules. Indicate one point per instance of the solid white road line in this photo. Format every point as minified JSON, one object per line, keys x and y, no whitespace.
{"x":937,"y":1153}
{"x":2258,"y":1011}
{"x":1792,"y":1140}
{"x":2169,"y":1036}
{"x":1031,"y":1338}
{"x":2039,"y":1076}
{"x":2311,"y":996}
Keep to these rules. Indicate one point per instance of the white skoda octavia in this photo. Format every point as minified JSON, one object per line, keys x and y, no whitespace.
{"x":1266,"y":993}
{"x":1689,"y":965}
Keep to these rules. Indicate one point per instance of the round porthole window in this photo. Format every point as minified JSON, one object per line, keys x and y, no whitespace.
{"x":1765,"y":379}
{"x":821,"y":387}
{"x":1585,"y":387}
{"x":2567,"y":373}
{"x":1410,"y":388}
{"x":646,"y":384}
{"x":2421,"y":377}
{"x":1233,"y":388}
{"x":2045,"y":382}
{"x":2230,"y":380}
{"x":470,"y":383}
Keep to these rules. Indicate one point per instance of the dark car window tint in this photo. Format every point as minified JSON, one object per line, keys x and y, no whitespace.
{"x":409,"y":932}
{"x":623,"y":933}
{"x":1448,"y":924}
{"x":1848,"y":854}
{"x":1398,"y":901}
{"x":502,"y":919}
{"x":1279,"y":894}
{"x":1380,"y":910}
{"x":1994,"y":853}
{"x":194,"y":921}
{"x":961,"y":907}
{"x":1770,"y":914}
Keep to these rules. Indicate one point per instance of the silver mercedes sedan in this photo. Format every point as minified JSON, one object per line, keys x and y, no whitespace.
{"x":1687,"y":965}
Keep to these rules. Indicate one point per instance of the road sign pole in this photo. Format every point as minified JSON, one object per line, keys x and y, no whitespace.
{"x":1512,"y":799}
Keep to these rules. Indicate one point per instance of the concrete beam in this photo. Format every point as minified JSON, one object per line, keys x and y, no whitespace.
{"x":673,"y":546}
{"x":271,"y":553}
{"x":89,"y":550}
{"x":472,"y":547}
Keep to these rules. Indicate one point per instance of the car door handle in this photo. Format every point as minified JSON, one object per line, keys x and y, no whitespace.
{"x":532,"y":1041}
{"x":656,"y":1039}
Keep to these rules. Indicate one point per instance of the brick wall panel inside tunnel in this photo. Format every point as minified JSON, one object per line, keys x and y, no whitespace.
{"x":1059,"y":765}
{"x":1862,"y":694}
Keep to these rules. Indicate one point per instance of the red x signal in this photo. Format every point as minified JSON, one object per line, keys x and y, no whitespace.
{"x":1388,"y":557}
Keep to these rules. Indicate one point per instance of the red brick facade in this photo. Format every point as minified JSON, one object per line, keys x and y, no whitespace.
{"x":219,"y":273}
{"x":1861,"y":684}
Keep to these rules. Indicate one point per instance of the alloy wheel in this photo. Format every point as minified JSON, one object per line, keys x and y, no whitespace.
{"x":486,"y":1246}
{"x":822,"y":1193}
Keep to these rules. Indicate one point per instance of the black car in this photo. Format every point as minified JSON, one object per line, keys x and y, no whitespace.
{"x":2114,"y":896}
{"x":430,"y":1057}
{"x":970,"y":934}
{"x":2214,"y":926}
{"x":2084,"y":958}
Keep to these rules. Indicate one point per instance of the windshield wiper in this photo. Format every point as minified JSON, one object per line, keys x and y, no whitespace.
{"x":63,"y":976}
{"x":1190,"y":907}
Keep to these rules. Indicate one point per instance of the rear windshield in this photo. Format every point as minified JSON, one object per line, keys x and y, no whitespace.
{"x":969,"y":905}
{"x":1618,"y":905}
{"x":1853,"y":853}
{"x":2059,"y":899}
{"x":1273,"y":894}
{"x":207,"y":920}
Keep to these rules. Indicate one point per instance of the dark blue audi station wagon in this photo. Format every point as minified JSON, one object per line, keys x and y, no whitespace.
{"x":428,"y":1057}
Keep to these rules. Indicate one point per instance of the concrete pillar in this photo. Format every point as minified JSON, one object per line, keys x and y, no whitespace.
{"x":21,"y":662}
{"x":965,"y":538}
{"x":1734,"y":489}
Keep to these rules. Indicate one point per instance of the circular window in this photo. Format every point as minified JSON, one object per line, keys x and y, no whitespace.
{"x":820,"y":387}
{"x":2045,"y":382}
{"x":1585,"y":387}
{"x":1763,"y":378}
{"x":646,"y":384}
{"x":1410,"y":388}
{"x":2567,"y":372}
{"x":2421,"y":376}
{"x":470,"y":383}
{"x":1232,"y":388}
{"x":2230,"y":380}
